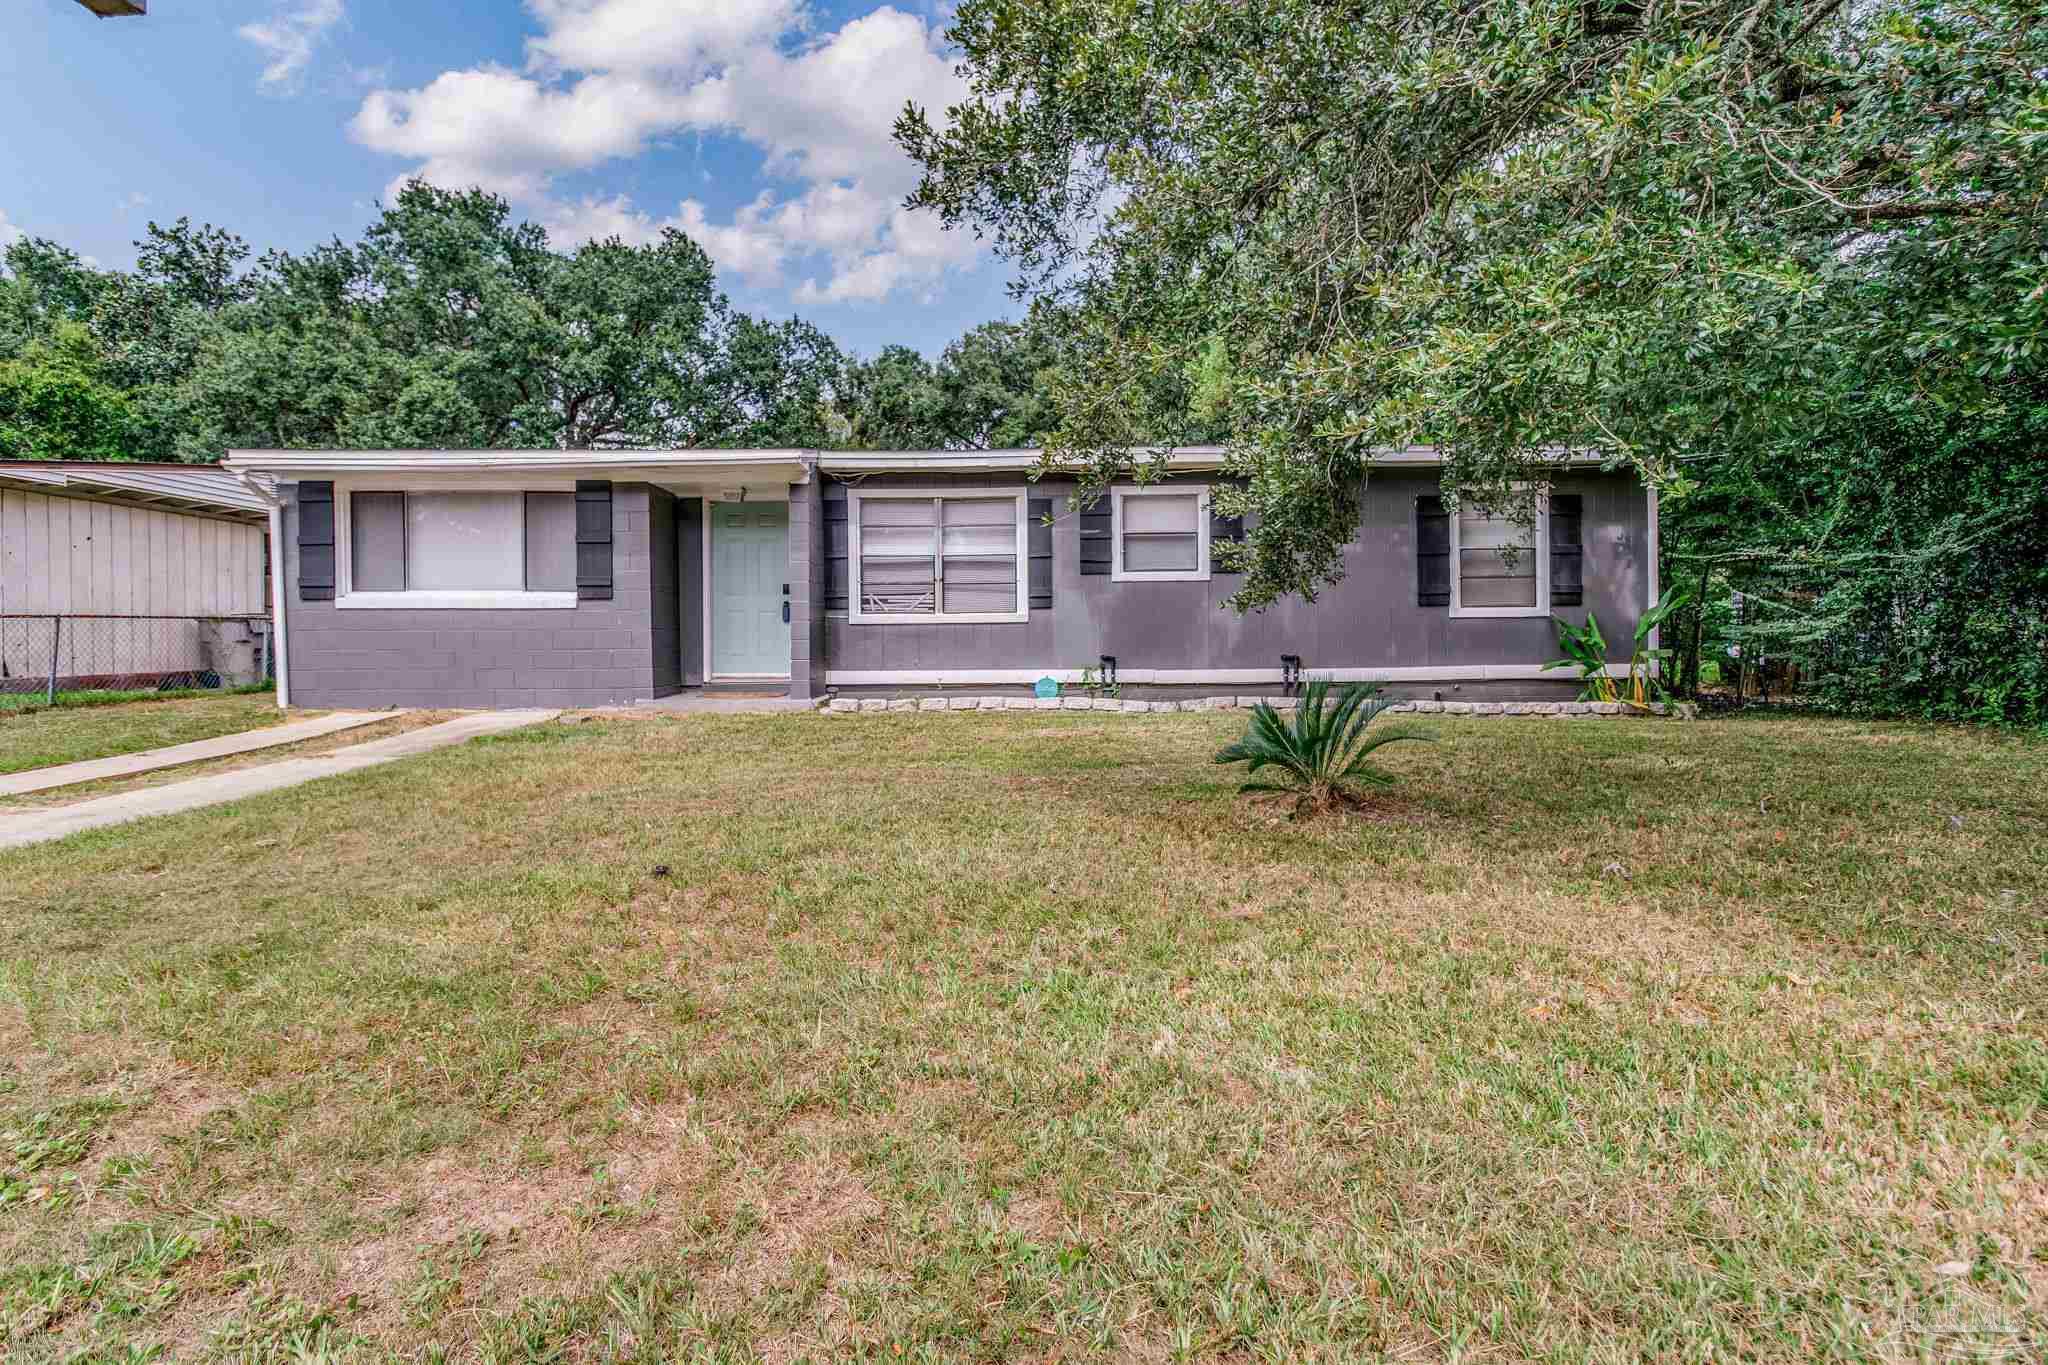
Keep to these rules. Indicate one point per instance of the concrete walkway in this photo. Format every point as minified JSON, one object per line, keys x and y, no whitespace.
{"x":34,"y":826}
{"x":222,"y":746}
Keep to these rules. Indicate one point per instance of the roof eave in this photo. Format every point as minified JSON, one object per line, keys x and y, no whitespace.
{"x":923,"y":461}
{"x":188,"y":488}
{"x":796,"y":464}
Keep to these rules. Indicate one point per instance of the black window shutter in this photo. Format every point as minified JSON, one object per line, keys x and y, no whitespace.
{"x":1567,"y":550}
{"x":593,"y":540}
{"x":1039,"y":512}
{"x":1224,"y":530}
{"x":316,"y":541}
{"x":837,"y":583}
{"x":1432,"y":553}
{"x":1095,"y":537}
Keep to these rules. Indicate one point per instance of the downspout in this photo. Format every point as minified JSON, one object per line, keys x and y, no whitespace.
{"x":279,"y":653}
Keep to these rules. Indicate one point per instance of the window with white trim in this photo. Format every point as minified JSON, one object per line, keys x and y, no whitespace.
{"x":1498,"y":566}
{"x":461,"y":548}
{"x":955,"y":555}
{"x":1160,"y":533}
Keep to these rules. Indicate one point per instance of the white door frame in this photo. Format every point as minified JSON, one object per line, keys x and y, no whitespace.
{"x":709,"y":675}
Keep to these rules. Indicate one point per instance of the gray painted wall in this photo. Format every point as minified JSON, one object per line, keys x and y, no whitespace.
{"x":807,"y":657}
{"x":648,"y":640}
{"x":665,"y":582}
{"x":690,"y":580}
{"x":596,"y":654}
{"x":1369,"y":619}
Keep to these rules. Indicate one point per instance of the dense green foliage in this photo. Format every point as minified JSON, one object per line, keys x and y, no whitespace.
{"x":56,"y":403}
{"x":449,"y":323}
{"x":1760,"y":249}
{"x":452,"y":323}
{"x":989,"y":390}
{"x":1900,"y":559}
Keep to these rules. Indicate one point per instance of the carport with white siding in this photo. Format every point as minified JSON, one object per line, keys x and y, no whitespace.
{"x":162,"y":548}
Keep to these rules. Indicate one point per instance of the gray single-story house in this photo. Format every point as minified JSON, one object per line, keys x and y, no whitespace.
{"x":505,"y":578}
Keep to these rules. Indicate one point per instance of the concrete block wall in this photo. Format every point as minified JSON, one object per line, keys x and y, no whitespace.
{"x":666,"y":623}
{"x":599,"y":653}
{"x":690,"y":590}
{"x":806,"y":591}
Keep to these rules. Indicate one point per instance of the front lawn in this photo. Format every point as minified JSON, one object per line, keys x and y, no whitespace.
{"x":994,"y":1037}
{"x":84,"y":726}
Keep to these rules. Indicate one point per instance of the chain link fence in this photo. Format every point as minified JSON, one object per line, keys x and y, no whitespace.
{"x":76,"y":653}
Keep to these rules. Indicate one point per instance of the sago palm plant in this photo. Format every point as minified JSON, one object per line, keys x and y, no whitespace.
{"x":1322,"y":756}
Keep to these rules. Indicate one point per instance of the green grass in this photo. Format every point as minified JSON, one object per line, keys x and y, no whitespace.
{"x":965,"y":1037}
{"x":102,"y":724}
{"x":26,"y":703}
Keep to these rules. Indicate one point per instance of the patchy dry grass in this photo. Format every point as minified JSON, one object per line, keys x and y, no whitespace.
{"x":964,"y":1037}
{"x":34,"y":736}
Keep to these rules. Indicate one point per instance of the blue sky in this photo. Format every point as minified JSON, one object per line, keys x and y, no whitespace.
{"x":760,"y":127}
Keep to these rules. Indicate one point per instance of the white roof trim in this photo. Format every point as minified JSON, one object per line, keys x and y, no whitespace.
{"x":313,"y":461}
{"x":796,"y":464}
{"x":1430,"y":455}
{"x":1193,"y":458}
{"x":887,"y":461}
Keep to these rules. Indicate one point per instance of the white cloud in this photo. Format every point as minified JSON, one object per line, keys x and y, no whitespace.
{"x":289,"y":36}
{"x":874,"y":247}
{"x":607,"y":79}
{"x":493,"y":127}
{"x":911,"y":249}
{"x":653,"y":35}
{"x":9,"y":233}
{"x":827,"y":112}
{"x":748,"y":246}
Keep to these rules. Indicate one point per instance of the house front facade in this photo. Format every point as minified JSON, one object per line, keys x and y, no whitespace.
{"x":595,"y":578}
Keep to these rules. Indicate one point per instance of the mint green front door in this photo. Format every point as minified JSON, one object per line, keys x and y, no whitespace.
{"x":749,"y":566}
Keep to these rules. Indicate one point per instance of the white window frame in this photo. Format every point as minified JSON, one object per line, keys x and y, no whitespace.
{"x":1539,"y":547}
{"x":1119,"y":494}
{"x":854,"y":613}
{"x":346,"y":598}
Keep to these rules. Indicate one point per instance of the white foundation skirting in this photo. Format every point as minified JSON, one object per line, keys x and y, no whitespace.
{"x":846,"y":706}
{"x":1196,"y":677}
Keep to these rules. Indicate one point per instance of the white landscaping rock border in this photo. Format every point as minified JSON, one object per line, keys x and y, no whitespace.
{"x":863,"y":706}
